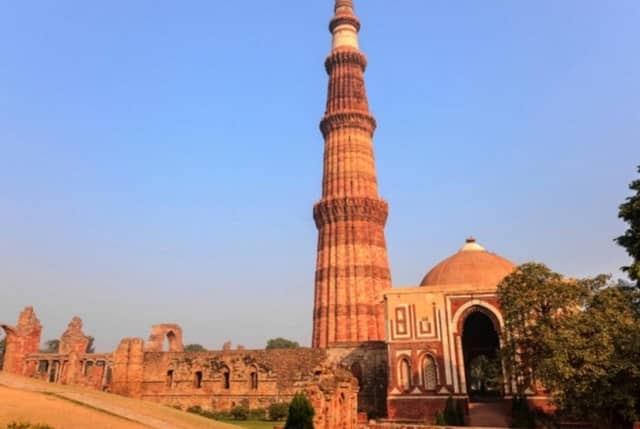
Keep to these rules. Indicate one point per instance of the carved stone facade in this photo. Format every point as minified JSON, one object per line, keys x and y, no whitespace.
{"x":435,"y":331}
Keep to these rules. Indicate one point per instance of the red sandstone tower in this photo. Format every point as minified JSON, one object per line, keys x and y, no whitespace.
{"x":352,"y":269}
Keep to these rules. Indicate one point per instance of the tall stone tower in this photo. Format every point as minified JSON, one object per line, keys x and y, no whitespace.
{"x":352,"y":269}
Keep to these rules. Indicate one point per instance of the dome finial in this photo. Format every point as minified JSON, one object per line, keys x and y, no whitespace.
{"x":471,"y":244}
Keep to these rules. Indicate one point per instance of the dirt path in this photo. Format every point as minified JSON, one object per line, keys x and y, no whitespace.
{"x":46,"y":402}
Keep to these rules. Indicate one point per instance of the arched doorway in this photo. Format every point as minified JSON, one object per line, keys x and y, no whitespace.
{"x":481,"y":354}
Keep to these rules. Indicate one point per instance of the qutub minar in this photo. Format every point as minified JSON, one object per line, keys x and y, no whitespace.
{"x":352,"y":266}
{"x":377,"y":352}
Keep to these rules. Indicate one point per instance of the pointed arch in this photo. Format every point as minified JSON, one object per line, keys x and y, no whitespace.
{"x":428,"y":372}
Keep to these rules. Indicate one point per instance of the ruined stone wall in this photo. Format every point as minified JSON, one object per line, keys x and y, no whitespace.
{"x":170,"y":332}
{"x":73,"y":340}
{"x":216,"y":380}
{"x":220,"y":380}
{"x":369,"y":365}
{"x":128,"y":361}
{"x":22,"y":339}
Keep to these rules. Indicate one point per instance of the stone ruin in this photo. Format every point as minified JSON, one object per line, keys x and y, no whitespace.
{"x":213,"y":380}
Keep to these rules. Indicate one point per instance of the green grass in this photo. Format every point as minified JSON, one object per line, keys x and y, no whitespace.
{"x":254,"y":424}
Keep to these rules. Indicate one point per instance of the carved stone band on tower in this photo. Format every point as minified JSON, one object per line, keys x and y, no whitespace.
{"x":352,"y":270}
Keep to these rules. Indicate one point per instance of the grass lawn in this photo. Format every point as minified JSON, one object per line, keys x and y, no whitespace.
{"x":254,"y":424}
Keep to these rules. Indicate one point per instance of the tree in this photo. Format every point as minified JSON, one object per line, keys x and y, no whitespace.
{"x":630,"y":213}
{"x":51,"y":346}
{"x":594,"y":372}
{"x":278,"y":411}
{"x":3,"y":345}
{"x":531,"y":299}
{"x":485,"y":373}
{"x":281,"y":343}
{"x":91,"y":348}
{"x":189,"y":348}
{"x":301,"y":413}
{"x":579,"y":339}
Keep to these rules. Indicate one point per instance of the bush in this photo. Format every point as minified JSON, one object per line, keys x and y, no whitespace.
{"x":301,"y":413}
{"x":453,"y":413}
{"x":196,"y":409}
{"x":278,"y":411}
{"x":23,"y":425}
{"x":240,"y":412}
{"x":460,"y":411}
{"x":258,"y":414}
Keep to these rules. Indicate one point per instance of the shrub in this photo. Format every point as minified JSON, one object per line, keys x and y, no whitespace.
{"x":23,"y":425}
{"x":460,"y":412}
{"x":301,"y":413}
{"x":196,"y":409}
{"x":258,"y":414}
{"x":453,"y":413}
{"x":240,"y":412}
{"x":278,"y":411}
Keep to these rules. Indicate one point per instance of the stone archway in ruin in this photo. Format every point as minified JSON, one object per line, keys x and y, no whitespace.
{"x":169,"y":341}
{"x":165,"y":338}
{"x":480,"y":340}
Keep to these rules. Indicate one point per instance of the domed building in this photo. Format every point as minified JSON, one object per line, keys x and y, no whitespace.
{"x":439,"y":331}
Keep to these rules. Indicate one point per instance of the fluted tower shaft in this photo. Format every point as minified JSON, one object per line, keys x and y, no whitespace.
{"x":352,"y":268}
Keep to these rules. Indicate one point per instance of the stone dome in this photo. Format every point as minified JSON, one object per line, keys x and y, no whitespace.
{"x":472,"y":265}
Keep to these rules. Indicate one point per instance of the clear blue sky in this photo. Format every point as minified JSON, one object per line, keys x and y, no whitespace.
{"x":159,"y":160}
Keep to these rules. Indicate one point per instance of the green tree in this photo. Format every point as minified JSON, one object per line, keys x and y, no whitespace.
{"x":594,"y":371}
{"x":485,"y":373}
{"x":281,"y":343}
{"x":194,"y":348}
{"x":91,"y":348}
{"x":51,"y":346}
{"x":630,"y":213}
{"x":3,"y":345}
{"x":531,"y":299}
{"x":580,"y":339}
{"x":278,"y":411}
{"x":301,"y":413}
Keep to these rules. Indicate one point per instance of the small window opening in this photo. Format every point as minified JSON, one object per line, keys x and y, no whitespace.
{"x":254,"y":380}
{"x":226,"y":382}
{"x":197,"y":380}
{"x":170,"y":378}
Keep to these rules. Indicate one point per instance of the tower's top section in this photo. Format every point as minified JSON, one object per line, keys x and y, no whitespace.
{"x":344,"y":7}
{"x":344,"y":26}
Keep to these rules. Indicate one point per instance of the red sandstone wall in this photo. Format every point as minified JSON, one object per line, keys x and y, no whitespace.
{"x":22,"y":339}
{"x":417,"y":409}
{"x":128,"y":360}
